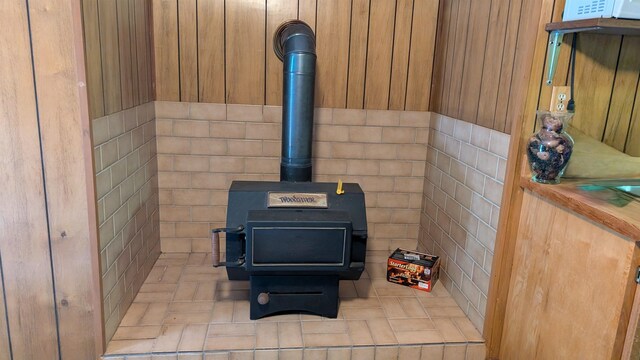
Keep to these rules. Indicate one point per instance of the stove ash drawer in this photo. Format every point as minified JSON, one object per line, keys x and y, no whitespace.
{"x":299,"y":246}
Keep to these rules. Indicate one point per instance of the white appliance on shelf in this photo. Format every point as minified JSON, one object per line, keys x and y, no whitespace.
{"x":589,"y":9}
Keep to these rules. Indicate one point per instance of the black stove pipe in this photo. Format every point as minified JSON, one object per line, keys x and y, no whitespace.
{"x":294,"y":43}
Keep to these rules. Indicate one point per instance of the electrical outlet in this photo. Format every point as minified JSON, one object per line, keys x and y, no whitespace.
{"x":559,"y":98}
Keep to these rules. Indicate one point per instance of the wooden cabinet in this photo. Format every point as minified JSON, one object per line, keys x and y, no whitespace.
{"x":561,"y":283}
{"x":572,"y":286}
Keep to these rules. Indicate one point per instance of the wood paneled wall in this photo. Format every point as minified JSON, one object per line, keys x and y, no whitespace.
{"x":49,"y":273}
{"x":606,"y":88}
{"x":372,"y":54}
{"x":475,"y":74}
{"x":118,"y":54}
{"x":476,"y":77}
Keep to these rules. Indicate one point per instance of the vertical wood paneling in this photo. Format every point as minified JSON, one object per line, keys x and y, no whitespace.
{"x":307,"y":12}
{"x":479,"y":79}
{"x":448,"y":58}
{"x":400,"y":58}
{"x":135,"y":85}
{"x":278,"y":11}
{"x":25,"y":241}
{"x":245,"y":51}
{"x":379,"y":54}
{"x":423,"y":34}
{"x":529,"y":30}
{"x":68,"y":170}
{"x":108,"y":15}
{"x":493,"y":60}
{"x":474,"y":58}
{"x":50,"y":267}
{"x":608,"y":80}
{"x":143,"y":54}
{"x":93,"y":57}
{"x":5,"y":350}
{"x":439,"y":64}
{"x":607,"y":73}
{"x":358,"y":53}
{"x":124,"y":44}
{"x":477,"y":76}
{"x":149,"y":53}
{"x":117,"y":54}
{"x":332,"y":48}
{"x":633,"y":138}
{"x":165,"y":43}
{"x":593,"y":83}
{"x":508,"y":57}
{"x":622,"y":97}
{"x":457,"y":64}
{"x":188,"y":41}
{"x":564,"y":58}
{"x":211,"y":44}
{"x":563,"y":64}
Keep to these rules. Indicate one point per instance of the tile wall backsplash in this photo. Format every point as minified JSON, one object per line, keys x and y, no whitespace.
{"x":203,"y":147}
{"x":127,"y":198}
{"x":463,"y":186}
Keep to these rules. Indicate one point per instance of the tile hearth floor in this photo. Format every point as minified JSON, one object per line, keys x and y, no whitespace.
{"x":188,"y":310}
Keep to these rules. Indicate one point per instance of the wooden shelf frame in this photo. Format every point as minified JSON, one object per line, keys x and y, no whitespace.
{"x":607,"y":26}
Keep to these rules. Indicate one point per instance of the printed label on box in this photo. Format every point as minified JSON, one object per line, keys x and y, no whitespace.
{"x":411,"y":268}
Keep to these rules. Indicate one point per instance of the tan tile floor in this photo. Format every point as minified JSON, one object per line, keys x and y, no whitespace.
{"x":187,"y":309}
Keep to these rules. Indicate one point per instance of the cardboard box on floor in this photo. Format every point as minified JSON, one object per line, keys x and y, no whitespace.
{"x":413,"y":269}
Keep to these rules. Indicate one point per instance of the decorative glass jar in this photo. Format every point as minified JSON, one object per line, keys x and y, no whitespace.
{"x":550,"y":148}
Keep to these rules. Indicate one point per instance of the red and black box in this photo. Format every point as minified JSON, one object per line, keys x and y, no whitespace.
{"x":414,"y":269}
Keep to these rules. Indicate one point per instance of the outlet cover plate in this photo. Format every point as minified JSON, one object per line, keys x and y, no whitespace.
{"x":559,"y":98}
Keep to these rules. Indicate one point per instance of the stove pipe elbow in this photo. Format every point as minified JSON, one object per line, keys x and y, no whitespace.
{"x":294,"y":43}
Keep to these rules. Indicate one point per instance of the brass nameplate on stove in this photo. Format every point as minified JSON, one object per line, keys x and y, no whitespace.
{"x":303,"y":200}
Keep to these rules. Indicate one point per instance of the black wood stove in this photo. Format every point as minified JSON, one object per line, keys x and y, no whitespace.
{"x":294,"y":239}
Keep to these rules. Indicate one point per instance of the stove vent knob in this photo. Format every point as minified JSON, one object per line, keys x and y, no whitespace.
{"x":263,"y":298}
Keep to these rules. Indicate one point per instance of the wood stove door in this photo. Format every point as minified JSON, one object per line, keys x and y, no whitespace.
{"x":299,"y":243}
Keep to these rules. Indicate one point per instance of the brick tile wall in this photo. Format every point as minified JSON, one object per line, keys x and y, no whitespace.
{"x":203,"y":147}
{"x":127,"y":199}
{"x":463,"y":186}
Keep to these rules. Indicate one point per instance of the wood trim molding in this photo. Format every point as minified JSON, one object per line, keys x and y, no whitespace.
{"x":95,"y":290}
{"x":65,"y":138}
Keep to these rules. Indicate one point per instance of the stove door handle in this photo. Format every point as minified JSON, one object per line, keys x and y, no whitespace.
{"x":215,"y":243}
{"x":215,"y":248}
{"x":228,"y":230}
